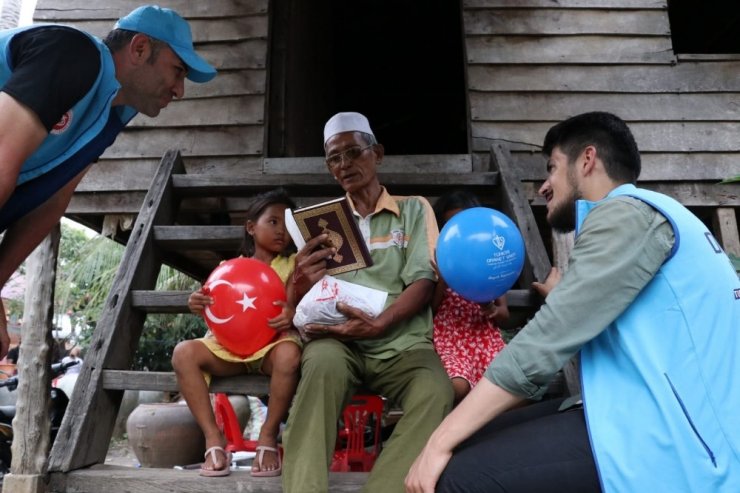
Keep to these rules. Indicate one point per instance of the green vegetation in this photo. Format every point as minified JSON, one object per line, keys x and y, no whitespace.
{"x":85,"y":274}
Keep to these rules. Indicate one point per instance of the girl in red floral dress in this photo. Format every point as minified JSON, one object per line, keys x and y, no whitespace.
{"x":466,"y":334}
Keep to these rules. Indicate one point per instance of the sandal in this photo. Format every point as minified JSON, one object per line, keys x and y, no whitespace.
{"x":212,"y":473}
{"x":261,"y":449}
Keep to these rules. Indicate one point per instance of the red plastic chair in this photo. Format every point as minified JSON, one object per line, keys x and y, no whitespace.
{"x":227,"y":421}
{"x":351,"y":454}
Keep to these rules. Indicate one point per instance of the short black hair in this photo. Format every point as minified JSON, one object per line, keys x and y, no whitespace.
{"x":610,"y":135}
{"x":454,"y":199}
{"x":256,"y":207}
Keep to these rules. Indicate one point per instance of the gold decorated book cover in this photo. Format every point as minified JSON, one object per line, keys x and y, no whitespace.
{"x":335,"y":219}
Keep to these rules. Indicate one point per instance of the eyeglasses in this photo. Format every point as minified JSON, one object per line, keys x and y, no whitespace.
{"x":335,"y":160}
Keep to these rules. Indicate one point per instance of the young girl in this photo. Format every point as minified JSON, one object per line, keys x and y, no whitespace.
{"x":266,"y":240}
{"x":466,"y":334}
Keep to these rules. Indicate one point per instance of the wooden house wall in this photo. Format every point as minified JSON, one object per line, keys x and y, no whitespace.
{"x":530,"y":63}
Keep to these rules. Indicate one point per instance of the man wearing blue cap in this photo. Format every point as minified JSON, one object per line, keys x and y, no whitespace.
{"x":64,"y":97}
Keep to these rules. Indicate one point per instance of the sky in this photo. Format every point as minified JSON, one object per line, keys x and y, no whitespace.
{"x":27,"y":12}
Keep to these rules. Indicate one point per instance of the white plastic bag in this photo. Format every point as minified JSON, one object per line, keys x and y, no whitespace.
{"x":319,"y":305}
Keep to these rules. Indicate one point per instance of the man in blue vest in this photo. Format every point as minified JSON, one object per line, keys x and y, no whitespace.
{"x":64,"y":97}
{"x":652,"y":305}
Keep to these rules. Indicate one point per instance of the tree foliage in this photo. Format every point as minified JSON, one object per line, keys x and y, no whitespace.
{"x":84,"y":278}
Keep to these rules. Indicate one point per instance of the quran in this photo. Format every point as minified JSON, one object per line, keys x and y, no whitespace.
{"x":335,"y":219}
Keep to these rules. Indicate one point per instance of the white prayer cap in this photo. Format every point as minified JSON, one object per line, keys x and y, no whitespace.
{"x":346,"y":122}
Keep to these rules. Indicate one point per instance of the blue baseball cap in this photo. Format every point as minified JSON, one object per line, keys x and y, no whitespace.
{"x":167,"y":25}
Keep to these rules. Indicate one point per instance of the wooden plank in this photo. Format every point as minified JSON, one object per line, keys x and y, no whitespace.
{"x":105,"y":203}
{"x":598,"y":50}
{"x":560,"y":21}
{"x":724,"y":221}
{"x":306,"y":184}
{"x":221,"y":111}
{"x":251,"y":54}
{"x":167,"y":382}
{"x":88,"y":422}
{"x":49,"y":10}
{"x":199,"y":237}
{"x":160,"y":301}
{"x":650,"y":136}
{"x":505,"y":106}
{"x":204,"y":30}
{"x":655,"y":166}
{"x":229,"y":83}
{"x":516,"y":205}
{"x":112,"y":479}
{"x":426,"y":163}
{"x":689,"y":194}
{"x":680,"y":78}
{"x":211,"y":141}
{"x":136,"y":174}
{"x":567,"y":4}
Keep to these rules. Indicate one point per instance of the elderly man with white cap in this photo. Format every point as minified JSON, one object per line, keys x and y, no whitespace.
{"x":64,"y":97}
{"x":391,"y":354}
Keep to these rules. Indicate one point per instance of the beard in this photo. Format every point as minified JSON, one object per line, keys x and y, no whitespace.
{"x":562,"y":217}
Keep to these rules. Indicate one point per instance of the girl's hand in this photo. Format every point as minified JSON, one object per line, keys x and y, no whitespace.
{"x":284,"y":321}
{"x":199,"y":300}
{"x":497,"y":310}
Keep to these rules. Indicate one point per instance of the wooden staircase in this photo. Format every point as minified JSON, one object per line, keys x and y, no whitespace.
{"x":159,"y":237}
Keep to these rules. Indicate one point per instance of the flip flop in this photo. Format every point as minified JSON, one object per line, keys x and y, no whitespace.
{"x":213,"y":473}
{"x":261,"y":449}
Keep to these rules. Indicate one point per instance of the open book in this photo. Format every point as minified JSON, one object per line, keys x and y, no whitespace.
{"x":335,"y":219}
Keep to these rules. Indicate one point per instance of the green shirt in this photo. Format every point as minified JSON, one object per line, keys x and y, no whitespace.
{"x":401,"y":235}
{"x":622,"y":244}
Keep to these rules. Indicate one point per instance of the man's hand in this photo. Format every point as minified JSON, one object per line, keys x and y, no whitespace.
{"x":544,"y":288}
{"x":426,"y":470}
{"x":310,"y":264}
{"x":359,"y":326}
{"x":4,"y":339}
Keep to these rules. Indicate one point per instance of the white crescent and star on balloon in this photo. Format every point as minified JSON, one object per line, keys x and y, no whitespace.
{"x":246,"y":302}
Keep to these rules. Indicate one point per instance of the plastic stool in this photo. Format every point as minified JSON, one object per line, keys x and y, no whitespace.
{"x":353,"y":456}
{"x":229,"y":424}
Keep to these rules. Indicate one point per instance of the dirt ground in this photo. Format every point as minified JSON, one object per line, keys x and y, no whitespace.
{"x":120,"y":454}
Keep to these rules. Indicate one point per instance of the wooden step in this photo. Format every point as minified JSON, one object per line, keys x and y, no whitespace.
{"x":199,"y":237}
{"x":117,"y":479}
{"x":177,"y":301}
{"x":166,"y":382}
{"x":313,"y":184}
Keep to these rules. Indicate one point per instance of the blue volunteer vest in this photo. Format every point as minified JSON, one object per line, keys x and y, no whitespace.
{"x":81,"y":124}
{"x":661,"y":385}
{"x":82,"y":135}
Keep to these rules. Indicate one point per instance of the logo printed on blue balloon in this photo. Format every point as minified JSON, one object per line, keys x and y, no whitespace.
{"x":480,"y":254}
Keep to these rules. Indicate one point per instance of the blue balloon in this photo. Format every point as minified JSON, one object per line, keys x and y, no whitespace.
{"x":480,"y":254}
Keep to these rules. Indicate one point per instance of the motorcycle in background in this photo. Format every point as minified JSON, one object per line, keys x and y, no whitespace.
{"x":59,"y":401}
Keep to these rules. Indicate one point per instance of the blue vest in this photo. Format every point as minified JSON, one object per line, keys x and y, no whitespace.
{"x":661,"y":385}
{"x":82,"y":135}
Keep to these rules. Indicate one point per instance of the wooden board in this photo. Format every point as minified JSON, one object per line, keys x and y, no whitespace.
{"x":567,"y":4}
{"x":167,"y":382}
{"x":650,"y":136}
{"x":112,"y":479}
{"x":680,"y":78}
{"x":662,"y":107}
{"x":597,"y":50}
{"x":203,"y":30}
{"x":217,"y":111}
{"x":435,"y":163}
{"x":49,"y":10}
{"x":560,"y":21}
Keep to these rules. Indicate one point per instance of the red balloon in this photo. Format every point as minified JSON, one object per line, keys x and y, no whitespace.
{"x":243,"y":292}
